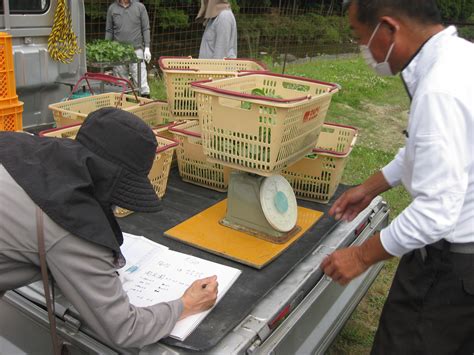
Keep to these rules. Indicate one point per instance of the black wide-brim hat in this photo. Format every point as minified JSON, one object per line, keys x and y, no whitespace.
{"x":125,"y":140}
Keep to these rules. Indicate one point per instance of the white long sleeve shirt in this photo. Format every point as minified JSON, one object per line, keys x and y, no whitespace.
{"x":436,"y":166}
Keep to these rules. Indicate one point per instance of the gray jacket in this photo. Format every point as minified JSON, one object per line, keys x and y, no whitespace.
{"x":128,"y":24}
{"x":219,"y":40}
{"x":84,"y":272}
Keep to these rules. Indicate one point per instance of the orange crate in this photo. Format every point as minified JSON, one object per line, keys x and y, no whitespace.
{"x":9,"y":101}
{"x":7,"y":73}
{"x":11,"y":117}
{"x":192,"y":163}
{"x":317,"y":175}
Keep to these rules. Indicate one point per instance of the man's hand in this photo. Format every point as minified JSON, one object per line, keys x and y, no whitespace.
{"x":200,"y":296}
{"x":353,"y":201}
{"x":344,"y":265}
{"x":147,"y":55}
{"x":350,"y":204}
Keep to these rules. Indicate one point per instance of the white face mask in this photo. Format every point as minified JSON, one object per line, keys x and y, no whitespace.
{"x":382,"y":68}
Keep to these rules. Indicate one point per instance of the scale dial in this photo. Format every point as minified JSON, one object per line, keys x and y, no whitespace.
{"x":278,"y":203}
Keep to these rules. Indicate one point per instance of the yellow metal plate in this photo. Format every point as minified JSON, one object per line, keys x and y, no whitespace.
{"x":204,"y":232}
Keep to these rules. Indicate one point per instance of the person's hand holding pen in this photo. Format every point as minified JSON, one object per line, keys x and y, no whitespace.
{"x":200,"y":296}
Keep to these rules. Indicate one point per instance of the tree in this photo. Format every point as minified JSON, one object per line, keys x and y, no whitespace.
{"x":456,"y":10}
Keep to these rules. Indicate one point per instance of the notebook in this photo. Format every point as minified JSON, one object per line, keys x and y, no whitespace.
{"x":154,"y":273}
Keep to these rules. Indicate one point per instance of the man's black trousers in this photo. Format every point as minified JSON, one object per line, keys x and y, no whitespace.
{"x":430,"y":306}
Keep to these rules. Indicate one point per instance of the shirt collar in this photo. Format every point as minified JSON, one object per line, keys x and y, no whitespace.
{"x":423,"y":59}
{"x":124,"y":6}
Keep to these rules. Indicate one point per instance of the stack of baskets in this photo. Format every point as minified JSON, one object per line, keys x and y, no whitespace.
{"x":159,"y":171}
{"x":179,"y":73}
{"x":11,"y":108}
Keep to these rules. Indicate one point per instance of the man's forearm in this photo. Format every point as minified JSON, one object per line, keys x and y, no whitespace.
{"x":376,"y":184}
{"x":372,"y":251}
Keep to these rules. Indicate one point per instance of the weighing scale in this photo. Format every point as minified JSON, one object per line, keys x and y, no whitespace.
{"x":258,"y":221}
{"x":264,"y":207}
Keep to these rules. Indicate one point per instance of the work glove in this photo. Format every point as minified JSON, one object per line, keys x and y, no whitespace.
{"x":147,"y":55}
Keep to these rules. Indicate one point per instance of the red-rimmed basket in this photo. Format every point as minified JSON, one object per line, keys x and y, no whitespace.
{"x":179,"y":72}
{"x":74,"y":111}
{"x":317,"y":175}
{"x":192,"y":163}
{"x":261,"y":134}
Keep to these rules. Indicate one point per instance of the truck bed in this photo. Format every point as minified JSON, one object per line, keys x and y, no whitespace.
{"x":277,"y":307}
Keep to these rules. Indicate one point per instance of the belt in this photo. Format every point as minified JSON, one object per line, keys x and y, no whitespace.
{"x":461,"y":248}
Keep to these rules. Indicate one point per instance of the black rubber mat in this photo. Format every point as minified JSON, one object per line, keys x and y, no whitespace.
{"x":183,"y":200}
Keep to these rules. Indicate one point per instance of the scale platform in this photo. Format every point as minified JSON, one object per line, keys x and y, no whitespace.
{"x":204,"y":231}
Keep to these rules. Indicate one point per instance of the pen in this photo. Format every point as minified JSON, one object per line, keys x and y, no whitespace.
{"x":132,"y":268}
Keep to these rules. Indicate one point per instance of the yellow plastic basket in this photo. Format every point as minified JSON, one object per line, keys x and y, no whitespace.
{"x":154,"y":113}
{"x":192,"y":163}
{"x":316,"y":176}
{"x":179,"y":72}
{"x":261,"y":134}
{"x":159,"y":171}
{"x":74,"y":111}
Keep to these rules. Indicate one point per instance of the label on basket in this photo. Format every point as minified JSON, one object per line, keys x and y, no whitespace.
{"x":311,"y":114}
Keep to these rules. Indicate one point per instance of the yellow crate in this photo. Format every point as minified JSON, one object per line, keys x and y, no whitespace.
{"x":192,"y":163}
{"x":316,"y":176}
{"x":70,"y":112}
{"x":11,"y":117}
{"x":261,"y":134}
{"x":159,"y":171}
{"x":179,"y":72}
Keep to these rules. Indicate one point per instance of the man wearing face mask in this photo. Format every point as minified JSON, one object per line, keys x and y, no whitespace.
{"x":430,"y":307}
{"x":66,"y":189}
{"x":219,"y":40}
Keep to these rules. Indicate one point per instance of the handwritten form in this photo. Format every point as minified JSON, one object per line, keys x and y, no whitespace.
{"x":159,"y":275}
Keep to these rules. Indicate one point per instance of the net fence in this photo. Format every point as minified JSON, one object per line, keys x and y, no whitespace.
{"x":282,"y":29}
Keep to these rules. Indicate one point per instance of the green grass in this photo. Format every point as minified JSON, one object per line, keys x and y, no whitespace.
{"x":157,"y":89}
{"x":378,"y":108}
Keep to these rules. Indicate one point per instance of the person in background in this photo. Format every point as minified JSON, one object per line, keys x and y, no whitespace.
{"x":430,"y":306}
{"x":74,"y":185}
{"x":219,"y":40}
{"x":127,"y":22}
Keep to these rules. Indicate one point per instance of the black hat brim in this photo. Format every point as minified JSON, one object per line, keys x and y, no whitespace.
{"x":135,"y":193}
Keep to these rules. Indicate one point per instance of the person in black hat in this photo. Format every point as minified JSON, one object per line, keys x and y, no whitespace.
{"x":76,"y":184}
